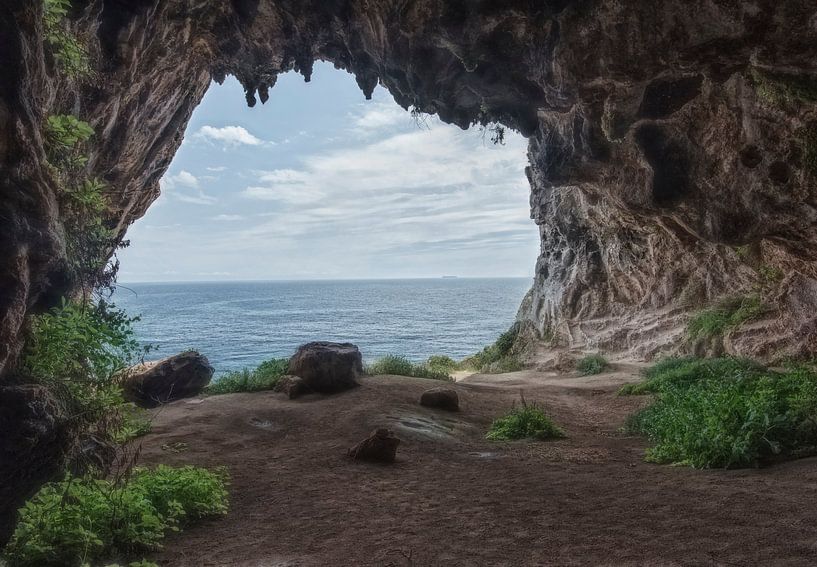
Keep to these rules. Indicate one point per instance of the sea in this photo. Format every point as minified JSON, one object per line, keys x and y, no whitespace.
{"x":240,"y":324}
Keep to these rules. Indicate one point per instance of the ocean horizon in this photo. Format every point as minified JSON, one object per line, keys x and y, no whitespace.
{"x":239,"y":324}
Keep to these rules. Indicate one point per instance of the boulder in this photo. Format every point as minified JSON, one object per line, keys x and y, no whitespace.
{"x":327,"y":367}
{"x":379,"y":447}
{"x":173,"y":378}
{"x":441,"y":398}
{"x":292,"y":386}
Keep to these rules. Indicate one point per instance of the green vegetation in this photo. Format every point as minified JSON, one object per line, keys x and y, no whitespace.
{"x":77,"y":348}
{"x":592,"y":364}
{"x":726,"y":412}
{"x":784,"y":88}
{"x":265,"y":377}
{"x":442,"y":364}
{"x":497,"y":357}
{"x":70,"y":55}
{"x":526,"y":421}
{"x":728,"y":313}
{"x":402,"y":366}
{"x":79,"y":520}
{"x":131,"y":422}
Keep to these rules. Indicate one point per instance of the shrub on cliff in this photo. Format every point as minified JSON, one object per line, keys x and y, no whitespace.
{"x":80,"y":521}
{"x":402,"y":366}
{"x":264,"y":377}
{"x":727,"y":314}
{"x":727,"y":413}
{"x":497,"y":357}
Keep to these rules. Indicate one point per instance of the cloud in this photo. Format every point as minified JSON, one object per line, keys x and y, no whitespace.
{"x":229,"y":135}
{"x":380,"y":115}
{"x":424,"y":190}
{"x":219,"y":168}
{"x":176,"y":186}
{"x":228,"y":218}
{"x":181,"y":179}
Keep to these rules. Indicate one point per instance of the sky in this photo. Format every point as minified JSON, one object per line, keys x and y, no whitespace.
{"x":320,"y":183}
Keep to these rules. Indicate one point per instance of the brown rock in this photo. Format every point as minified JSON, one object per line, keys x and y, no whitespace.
{"x":441,"y":398}
{"x":327,"y":367}
{"x":380,"y":447}
{"x":173,"y":378}
{"x":292,"y":386}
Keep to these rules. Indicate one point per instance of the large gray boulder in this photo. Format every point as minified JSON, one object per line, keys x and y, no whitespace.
{"x":179,"y":376}
{"x":327,"y":367}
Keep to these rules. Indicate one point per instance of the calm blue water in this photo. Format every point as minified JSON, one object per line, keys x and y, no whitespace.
{"x":240,"y":324}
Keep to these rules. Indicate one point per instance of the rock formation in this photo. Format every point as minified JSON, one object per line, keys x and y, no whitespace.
{"x":673,"y":144}
{"x":158,"y":382}
{"x":326,"y":367}
{"x":441,"y":398}
{"x":379,"y":447}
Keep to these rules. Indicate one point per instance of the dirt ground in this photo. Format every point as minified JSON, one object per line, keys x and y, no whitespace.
{"x":454,"y":498}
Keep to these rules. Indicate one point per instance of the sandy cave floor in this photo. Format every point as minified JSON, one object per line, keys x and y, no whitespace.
{"x":454,"y":498}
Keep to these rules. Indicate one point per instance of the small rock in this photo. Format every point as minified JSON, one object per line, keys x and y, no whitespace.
{"x":327,"y":367}
{"x":154,"y":383}
{"x":380,"y":446}
{"x":441,"y":398}
{"x":292,"y":386}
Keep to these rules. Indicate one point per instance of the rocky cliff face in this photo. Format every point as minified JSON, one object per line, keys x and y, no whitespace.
{"x":673,"y":145}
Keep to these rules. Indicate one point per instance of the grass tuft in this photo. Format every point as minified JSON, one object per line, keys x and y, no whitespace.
{"x":526,"y":421}
{"x":265,"y":377}
{"x":402,"y":366}
{"x":592,"y":364}
{"x":726,"y":412}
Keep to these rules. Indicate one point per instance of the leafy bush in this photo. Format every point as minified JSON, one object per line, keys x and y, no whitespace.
{"x":265,"y":377}
{"x":185,"y":493}
{"x":592,"y":364}
{"x":80,"y":347}
{"x":132,"y":422}
{"x":727,"y":412}
{"x":81,"y":520}
{"x":69,"y":53}
{"x":526,"y":421}
{"x":402,"y":366}
{"x":725,"y":315}
{"x":497,"y":357}
{"x":64,"y":133}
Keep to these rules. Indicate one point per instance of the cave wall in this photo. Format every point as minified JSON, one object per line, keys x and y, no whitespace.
{"x":672,"y":147}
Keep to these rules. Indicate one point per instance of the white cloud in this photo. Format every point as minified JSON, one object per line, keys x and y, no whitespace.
{"x":181,"y":179}
{"x":175,"y":186}
{"x":219,"y":168}
{"x":380,"y":115}
{"x":228,"y":218}
{"x":229,"y":135}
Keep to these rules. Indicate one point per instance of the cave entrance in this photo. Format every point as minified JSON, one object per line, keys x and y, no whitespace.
{"x":352,"y":199}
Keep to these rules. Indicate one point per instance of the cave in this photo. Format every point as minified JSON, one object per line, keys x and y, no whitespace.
{"x":634,"y":219}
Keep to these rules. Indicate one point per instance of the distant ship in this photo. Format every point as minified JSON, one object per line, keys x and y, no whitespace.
{"x":450,"y":277}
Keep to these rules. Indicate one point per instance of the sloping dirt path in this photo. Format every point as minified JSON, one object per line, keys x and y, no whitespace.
{"x":454,"y":498}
